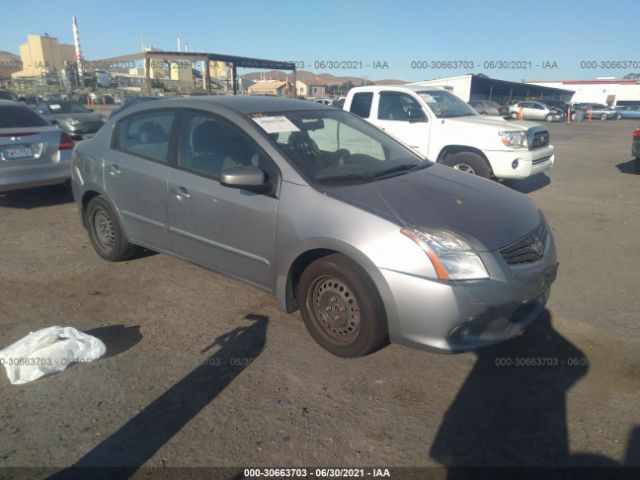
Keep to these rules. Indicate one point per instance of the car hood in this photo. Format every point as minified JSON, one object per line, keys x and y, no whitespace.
{"x":81,"y":117}
{"x":486,"y":214}
{"x":490,"y":122}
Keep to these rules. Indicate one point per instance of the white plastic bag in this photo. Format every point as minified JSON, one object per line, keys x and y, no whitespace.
{"x":47,"y":351}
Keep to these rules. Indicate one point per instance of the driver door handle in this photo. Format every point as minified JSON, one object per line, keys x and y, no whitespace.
{"x":181,"y":193}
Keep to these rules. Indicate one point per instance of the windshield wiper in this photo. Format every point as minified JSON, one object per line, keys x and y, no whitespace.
{"x":400,"y":168}
{"x":351,"y":177}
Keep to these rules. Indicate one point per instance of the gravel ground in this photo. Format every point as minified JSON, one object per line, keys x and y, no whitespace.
{"x":205,"y":371}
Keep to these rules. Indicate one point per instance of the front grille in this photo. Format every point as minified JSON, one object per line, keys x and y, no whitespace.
{"x":528,"y":249}
{"x":540,"y":139}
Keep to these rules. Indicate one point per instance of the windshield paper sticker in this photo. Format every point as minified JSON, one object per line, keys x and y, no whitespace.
{"x":427,"y":98}
{"x":276,"y":124}
{"x":54,"y":106}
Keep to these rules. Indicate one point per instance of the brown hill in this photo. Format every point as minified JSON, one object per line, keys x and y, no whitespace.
{"x":313,"y":78}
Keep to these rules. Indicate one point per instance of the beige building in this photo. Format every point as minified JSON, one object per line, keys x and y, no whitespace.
{"x":269,"y":87}
{"x":302,"y":89}
{"x":181,"y":71}
{"x":43,"y":55}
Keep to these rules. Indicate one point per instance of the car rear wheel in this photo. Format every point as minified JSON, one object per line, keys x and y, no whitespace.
{"x":548,"y":118}
{"x":468,"y":162}
{"x":105,"y":232}
{"x":341,"y":307}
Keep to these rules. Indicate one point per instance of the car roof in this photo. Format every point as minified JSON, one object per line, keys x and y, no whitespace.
{"x":242,"y":104}
{"x":413,"y":88}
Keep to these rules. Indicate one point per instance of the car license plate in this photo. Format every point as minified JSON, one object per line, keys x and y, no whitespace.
{"x":17,"y":152}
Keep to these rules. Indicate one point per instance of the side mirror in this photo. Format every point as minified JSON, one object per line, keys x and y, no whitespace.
{"x":416,"y":115}
{"x":246,"y":177}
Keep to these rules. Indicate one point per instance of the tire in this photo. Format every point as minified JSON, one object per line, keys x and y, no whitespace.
{"x":548,"y":118}
{"x":468,"y":162}
{"x":618,"y":116}
{"x":573,"y":117}
{"x":327,"y":289}
{"x":110,"y":242}
{"x":603,"y":116}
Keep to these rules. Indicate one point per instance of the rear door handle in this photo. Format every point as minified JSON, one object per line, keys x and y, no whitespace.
{"x":113,"y":170}
{"x":181,"y":193}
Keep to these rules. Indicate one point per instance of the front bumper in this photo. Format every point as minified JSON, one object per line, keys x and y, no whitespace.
{"x":462,"y":316}
{"x":530,"y":162}
{"x":17,"y":177}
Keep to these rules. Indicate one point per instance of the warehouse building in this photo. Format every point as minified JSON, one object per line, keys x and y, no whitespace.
{"x":609,"y":91}
{"x":480,"y":87}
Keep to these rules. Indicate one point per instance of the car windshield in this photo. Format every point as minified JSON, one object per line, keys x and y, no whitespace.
{"x":337,"y":147}
{"x":67,"y":107}
{"x":446,"y":105}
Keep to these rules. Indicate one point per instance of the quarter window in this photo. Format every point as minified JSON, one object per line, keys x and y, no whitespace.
{"x":147,"y":134}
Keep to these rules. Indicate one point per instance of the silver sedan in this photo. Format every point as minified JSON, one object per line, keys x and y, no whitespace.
{"x":335,"y":218}
{"x":32,"y":151}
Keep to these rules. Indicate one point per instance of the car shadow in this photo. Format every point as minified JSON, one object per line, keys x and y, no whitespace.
{"x":511,"y":410}
{"x":117,"y":338}
{"x":632,"y":167}
{"x":121,"y":454}
{"x":529,"y":184}
{"x":36,"y":197}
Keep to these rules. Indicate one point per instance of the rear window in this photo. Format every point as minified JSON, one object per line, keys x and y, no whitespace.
{"x":361,"y":104}
{"x":20,"y":117}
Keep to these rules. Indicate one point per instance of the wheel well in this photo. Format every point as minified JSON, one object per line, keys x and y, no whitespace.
{"x":86,"y":198}
{"x":451,"y":149}
{"x":295,"y":271}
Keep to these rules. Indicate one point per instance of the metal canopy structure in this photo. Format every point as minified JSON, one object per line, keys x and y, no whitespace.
{"x":235,"y":61}
{"x":504,"y":90}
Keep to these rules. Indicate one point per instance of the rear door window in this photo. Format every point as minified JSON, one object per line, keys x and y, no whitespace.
{"x":361,"y":104}
{"x":146,"y":134}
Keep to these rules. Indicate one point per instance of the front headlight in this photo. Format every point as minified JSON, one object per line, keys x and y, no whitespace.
{"x":73,"y":122}
{"x":513,"y":139}
{"x":452,"y":257}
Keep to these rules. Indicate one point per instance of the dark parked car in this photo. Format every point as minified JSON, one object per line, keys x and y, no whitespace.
{"x":32,"y":151}
{"x":131,"y":101}
{"x":72,"y":117}
{"x":635,"y":148}
{"x":317,"y":206}
{"x":7,"y":95}
{"x":489,"y":107}
{"x":598,"y":110}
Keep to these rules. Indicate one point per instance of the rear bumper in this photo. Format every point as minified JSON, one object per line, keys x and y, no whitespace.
{"x":530,"y":162}
{"x":26,"y":176}
{"x":462,"y":316}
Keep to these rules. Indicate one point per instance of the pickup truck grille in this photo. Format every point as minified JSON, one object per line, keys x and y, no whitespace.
{"x":540,"y":139}
{"x":528,"y":249}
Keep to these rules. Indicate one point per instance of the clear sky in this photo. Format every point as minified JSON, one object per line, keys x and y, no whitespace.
{"x":364,"y":33}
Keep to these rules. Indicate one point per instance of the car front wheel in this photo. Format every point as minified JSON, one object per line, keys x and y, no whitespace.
{"x":468,"y":162}
{"x":603,"y":116}
{"x":105,"y":232}
{"x":549,"y":118}
{"x":341,"y":307}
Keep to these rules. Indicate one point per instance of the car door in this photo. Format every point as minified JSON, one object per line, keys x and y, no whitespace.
{"x":401,"y":116}
{"x":226,"y":229}
{"x":136,"y":175}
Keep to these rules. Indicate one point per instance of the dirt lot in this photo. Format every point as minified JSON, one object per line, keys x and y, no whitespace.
{"x":204,"y":371}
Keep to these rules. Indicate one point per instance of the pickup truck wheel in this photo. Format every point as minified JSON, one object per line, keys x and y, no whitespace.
{"x":468,"y":162}
{"x":341,"y":307}
{"x":105,"y":232}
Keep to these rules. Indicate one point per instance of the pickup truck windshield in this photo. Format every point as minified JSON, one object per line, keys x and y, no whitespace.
{"x":446,"y":105}
{"x":337,"y":147}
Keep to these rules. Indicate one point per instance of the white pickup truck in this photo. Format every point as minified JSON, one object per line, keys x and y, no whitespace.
{"x":444,"y":129}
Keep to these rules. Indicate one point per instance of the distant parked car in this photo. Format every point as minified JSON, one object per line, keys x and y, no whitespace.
{"x":635,"y":148}
{"x":72,"y":117}
{"x":598,"y":110}
{"x":33,"y":152}
{"x":489,"y":107}
{"x":324,"y":101}
{"x":536,"y":111}
{"x":559,"y":104}
{"x":7,"y":95}
{"x":632,"y":111}
{"x":130,"y":102}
